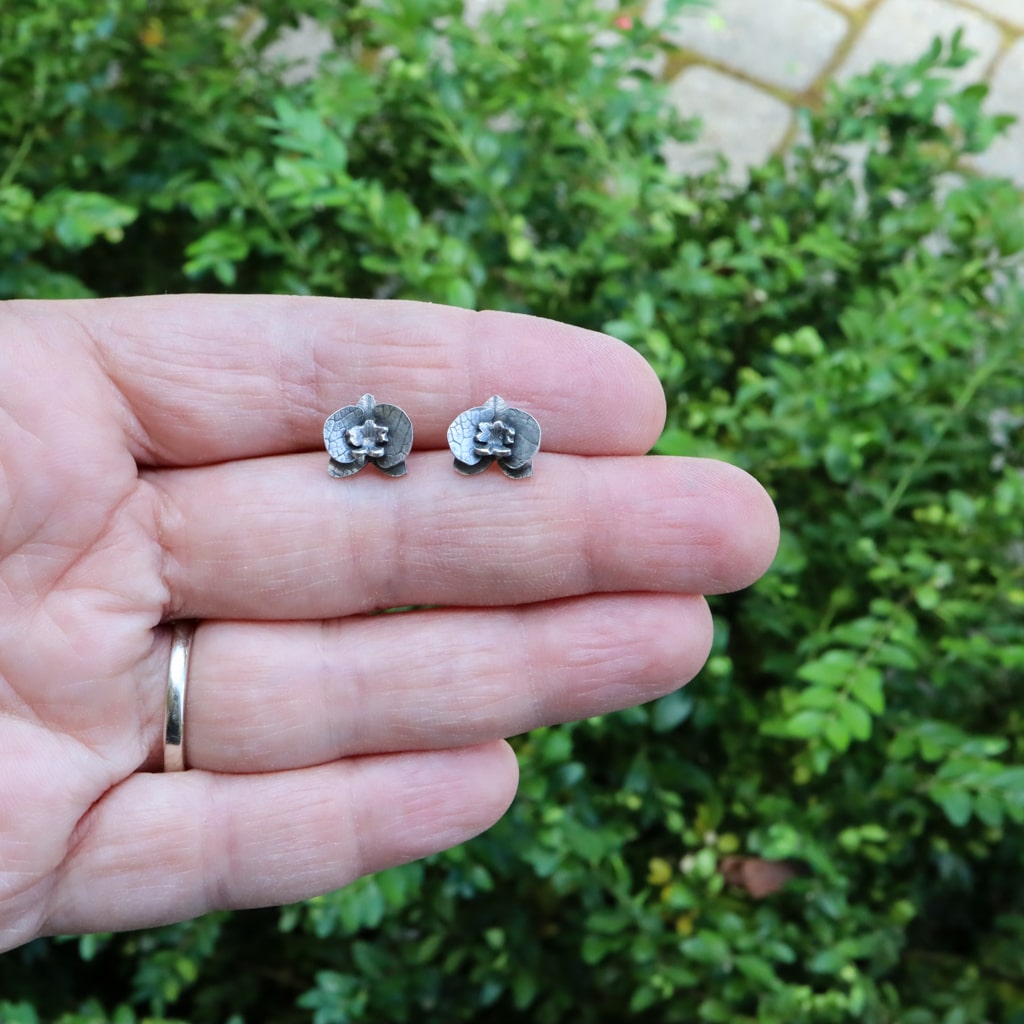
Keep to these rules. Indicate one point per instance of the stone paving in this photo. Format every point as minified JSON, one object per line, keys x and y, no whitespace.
{"x":743,"y":66}
{"x":746,"y":65}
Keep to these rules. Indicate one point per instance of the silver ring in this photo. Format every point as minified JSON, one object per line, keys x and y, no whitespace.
{"x":174,"y":709}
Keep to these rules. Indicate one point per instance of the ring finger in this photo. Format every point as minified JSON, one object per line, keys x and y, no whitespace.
{"x":275,"y":696}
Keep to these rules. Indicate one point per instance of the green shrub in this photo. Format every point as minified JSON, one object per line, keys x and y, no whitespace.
{"x":848,"y":326}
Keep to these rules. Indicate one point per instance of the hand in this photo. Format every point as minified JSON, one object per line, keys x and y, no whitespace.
{"x":162,"y":459}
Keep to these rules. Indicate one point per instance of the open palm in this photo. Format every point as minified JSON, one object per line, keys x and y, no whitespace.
{"x":161,"y":459}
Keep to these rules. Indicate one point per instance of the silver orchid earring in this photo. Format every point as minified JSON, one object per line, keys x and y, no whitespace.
{"x":368,"y":432}
{"x":493,"y":432}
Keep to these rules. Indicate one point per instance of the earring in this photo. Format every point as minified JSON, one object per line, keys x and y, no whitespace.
{"x":368,"y":432}
{"x":493,"y":432}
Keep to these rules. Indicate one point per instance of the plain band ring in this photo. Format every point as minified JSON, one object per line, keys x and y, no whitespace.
{"x":174,"y":709}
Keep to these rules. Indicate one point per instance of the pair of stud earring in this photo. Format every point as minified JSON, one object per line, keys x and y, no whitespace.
{"x":382,"y":434}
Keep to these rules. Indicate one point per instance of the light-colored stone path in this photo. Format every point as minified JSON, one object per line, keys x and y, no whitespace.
{"x":1010,"y":11}
{"x":748,"y":63}
{"x":1006,"y":157}
{"x":786,"y":43}
{"x":899,"y":31}
{"x":739,"y":119}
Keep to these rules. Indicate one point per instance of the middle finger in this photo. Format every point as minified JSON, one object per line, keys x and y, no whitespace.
{"x":277,"y":538}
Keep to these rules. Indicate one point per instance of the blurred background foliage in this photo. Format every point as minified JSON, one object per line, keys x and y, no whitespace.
{"x":826,"y":826}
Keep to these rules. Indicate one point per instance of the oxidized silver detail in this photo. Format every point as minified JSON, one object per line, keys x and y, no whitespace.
{"x":493,"y":432}
{"x":368,"y":432}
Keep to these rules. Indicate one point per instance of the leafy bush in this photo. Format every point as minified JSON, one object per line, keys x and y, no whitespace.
{"x":847,"y":326}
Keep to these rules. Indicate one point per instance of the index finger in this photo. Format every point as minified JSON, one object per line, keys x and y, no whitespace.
{"x":212,"y":378}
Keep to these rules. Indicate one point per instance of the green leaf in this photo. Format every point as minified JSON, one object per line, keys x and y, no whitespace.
{"x":716,"y":1011}
{"x":18,"y":1013}
{"x":525,"y":989}
{"x":866,"y":685}
{"x":837,"y":734}
{"x":643,"y":999}
{"x":459,"y":292}
{"x":596,"y":948}
{"x":217,"y":251}
{"x":828,"y":961}
{"x":845,"y":324}
{"x":989,"y":808}
{"x":671,"y":711}
{"x":81,"y":217}
{"x":832,"y":669}
{"x":707,"y":948}
{"x":874,"y":833}
{"x":805,"y":724}
{"x":856,"y":719}
{"x":818,"y":698}
{"x":758,"y":970}
{"x":956,"y":803}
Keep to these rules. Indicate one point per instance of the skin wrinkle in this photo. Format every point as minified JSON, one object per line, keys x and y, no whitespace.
{"x":78,"y":838}
{"x":29,"y":832}
{"x":167,"y":512}
{"x":33,"y":449}
{"x":279,"y":719}
{"x":75,"y":577}
{"x":429,"y":356}
{"x":15,"y":502}
{"x":531,"y":676}
{"x":32,"y":916}
{"x":15,"y":707}
{"x":334,"y":712}
{"x":65,"y":658}
{"x":119,"y":861}
{"x":424,"y":814}
{"x":586,"y":505}
{"x":604,"y":364}
{"x":8,"y":501}
{"x":130,"y":424}
{"x":79,"y":833}
{"x":277,"y":536}
{"x":481,"y":687}
{"x":27,"y":711}
{"x":291,"y":868}
{"x":381,"y":592}
{"x":164,"y":507}
{"x":251,"y":701}
{"x":143,"y":360}
{"x":354,"y":826}
{"x":727,"y":532}
{"x":354,"y":570}
{"x":90,"y":549}
{"x":221,"y":866}
{"x":610,"y":656}
{"x":478,"y":366}
{"x":417,"y":328}
{"x":478,"y":543}
{"x":305,"y":380}
{"x":135,"y":436}
{"x":300,"y":383}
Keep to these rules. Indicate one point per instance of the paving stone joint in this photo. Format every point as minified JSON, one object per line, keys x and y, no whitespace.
{"x":747,"y":64}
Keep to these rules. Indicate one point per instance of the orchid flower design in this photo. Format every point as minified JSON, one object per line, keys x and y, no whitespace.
{"x":368,"y":432}
{"x":494,"y":432}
